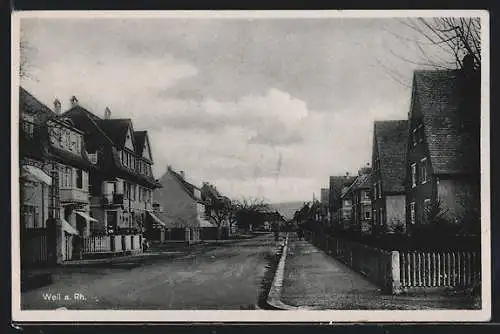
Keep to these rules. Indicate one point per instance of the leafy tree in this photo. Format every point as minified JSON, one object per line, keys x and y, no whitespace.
{"x":250,"y":211}
{"x":218,"y":208}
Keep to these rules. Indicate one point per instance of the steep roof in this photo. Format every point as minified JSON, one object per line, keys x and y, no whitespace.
{"x":188,"y":187}
{"x":391,"y":138}
{"x":31,"y":105}
{"x":95,"y":137}
{"x":38,"y":146}
{"x":106,"y":135}
{"x":139,"y":139}
{"x":337,"y":183}
{"x":363,"y":181}
{"x":116,"y":129}
{"x":449,"y":102}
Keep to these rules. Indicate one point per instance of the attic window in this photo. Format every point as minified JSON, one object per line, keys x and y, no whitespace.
{"x":420,"y":133}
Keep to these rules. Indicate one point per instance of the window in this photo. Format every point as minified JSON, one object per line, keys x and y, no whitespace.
{"x":67,"y":177}
{"x":366,"y":194}
{"x":126,"y":190}
{"x":79,"y":179}
{"x":412,"y":212}
{"x":381,"y":216}
{"x":93,"y":158}
{"x":140,"y":193}
{"x":427,"y":206}
{"x":414,"y":137}
{"x":367,"y":214}
{"x":413,"y":175}
{"x":375,"y":190}
{"x":423,"y":171}
{"x":379,"y":189}
{"x":28,"y":125}
{"x":420,"y":132}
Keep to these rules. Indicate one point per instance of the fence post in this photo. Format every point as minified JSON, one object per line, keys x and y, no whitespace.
{"x":395,"y":274}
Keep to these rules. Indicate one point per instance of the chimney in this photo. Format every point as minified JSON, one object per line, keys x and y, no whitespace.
{"x":73,"y":101}
{"x":57,"y":106}
{"x":468,"y":63}
{"x":346,"y":175}
{"x":181,"y":173}
{"x":107,"y":113}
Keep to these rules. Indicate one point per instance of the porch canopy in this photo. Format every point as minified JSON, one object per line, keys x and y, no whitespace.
{"x":86,"y":216}
{"x":156,"y":219}
{"x":68,"y":228}
{"x":37,"y":174}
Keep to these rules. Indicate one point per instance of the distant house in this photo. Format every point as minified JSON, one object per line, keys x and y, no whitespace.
{"x":122,"y":184}
{"x":388,"y":161}
{"x":339,"y":209}
{"x":442,"y":159}
{"x":183,"y":207}
{"x":54,"y":181}
{"x":359,"y":196}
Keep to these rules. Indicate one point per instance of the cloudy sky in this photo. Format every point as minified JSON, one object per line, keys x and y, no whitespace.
{"x":263,"y":108}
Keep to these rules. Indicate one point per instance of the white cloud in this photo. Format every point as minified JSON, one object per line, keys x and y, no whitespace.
{"x":261,"y":108}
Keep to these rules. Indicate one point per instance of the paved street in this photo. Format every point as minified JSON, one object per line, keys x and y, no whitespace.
{"x":228,"y":276}
{"x":315,"y":279}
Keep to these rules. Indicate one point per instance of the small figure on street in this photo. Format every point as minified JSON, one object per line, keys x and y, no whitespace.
{"x":276,"y":235}
{"x":145,"y":244}
{"x":300,"y":234}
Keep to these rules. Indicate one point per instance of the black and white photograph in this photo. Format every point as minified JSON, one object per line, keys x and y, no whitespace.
{"x":229,"y":165}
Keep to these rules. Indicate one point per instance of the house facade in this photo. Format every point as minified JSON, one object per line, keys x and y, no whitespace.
{"x":121,"y":185}
{"x":388,"y":161}
{"x":339,"y":207}
{"x":442,"y":160}
{"x":359,"y":198}
{"x":183,"y":209}
{"x":52,"y":151}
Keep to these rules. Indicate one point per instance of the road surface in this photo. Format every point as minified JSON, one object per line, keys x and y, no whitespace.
{"x":225,"y":277}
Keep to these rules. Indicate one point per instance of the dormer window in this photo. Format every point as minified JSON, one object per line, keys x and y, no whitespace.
{"x":420,"y":133}
{"x":413,"y":175}
{"x":28,"y":125}
{"x":414,"y":137}
{"x":423,"y":171}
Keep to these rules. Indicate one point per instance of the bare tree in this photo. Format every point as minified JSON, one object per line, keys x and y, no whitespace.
{"x":249,"y":211}
{"x":438,"y":43}
{"x":457,"y":36}
{"x":25,"y":62}
{"x":218,"y":208}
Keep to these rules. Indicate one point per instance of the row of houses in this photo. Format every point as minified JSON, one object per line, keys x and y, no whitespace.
{"x":427,"y":163}
{"x":87,"y":186}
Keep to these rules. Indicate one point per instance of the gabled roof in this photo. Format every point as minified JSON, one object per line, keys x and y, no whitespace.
{"x":337,"y":183}
{"x":449,"y":103}
{"x":106,"y":135}
{"x":39,"y":146}
{"x":31,"y":105}
{"x":391,"y":138}
{"x":139,"y":139}
{"x":188,"y":187}
{"x":95,"y":137}
{"x":116,"y":129}
{"x":362,"y":182}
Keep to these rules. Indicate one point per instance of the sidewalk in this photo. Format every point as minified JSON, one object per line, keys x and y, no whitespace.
{"x":314,"y":279}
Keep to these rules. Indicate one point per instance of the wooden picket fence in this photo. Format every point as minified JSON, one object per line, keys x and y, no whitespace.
{"x":399,"y":271}
{"x":111,"y":244}
{"x":439,"y":269}
{"x":97,"y":244}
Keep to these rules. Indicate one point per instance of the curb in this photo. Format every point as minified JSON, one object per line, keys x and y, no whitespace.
{"x":274,"y":297}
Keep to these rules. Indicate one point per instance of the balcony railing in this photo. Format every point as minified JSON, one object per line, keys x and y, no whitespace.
{"x":112,"y":199}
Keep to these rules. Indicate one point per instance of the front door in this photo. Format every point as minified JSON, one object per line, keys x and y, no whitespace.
{"x":111,"y":221}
